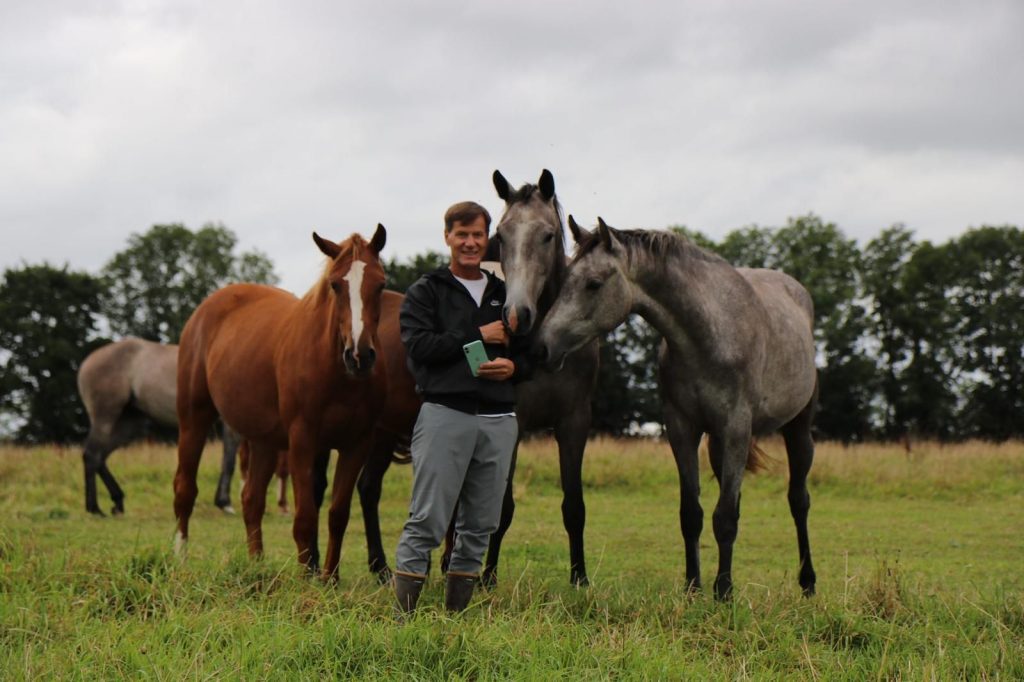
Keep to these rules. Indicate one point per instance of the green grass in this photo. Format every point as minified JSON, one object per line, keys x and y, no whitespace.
{"x":918,"y":560}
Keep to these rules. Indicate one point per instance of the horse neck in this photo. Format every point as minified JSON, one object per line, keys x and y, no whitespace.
{"x":679,"y":294}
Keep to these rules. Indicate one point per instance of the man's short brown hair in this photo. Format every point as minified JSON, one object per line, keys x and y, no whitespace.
{"x":466,"y":213}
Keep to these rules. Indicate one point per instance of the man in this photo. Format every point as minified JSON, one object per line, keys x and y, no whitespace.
{"x":466,"y":431}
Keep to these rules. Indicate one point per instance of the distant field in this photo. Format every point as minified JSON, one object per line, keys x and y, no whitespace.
{"x":918,"y":559}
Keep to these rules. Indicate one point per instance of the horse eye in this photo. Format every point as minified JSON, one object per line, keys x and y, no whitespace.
{"x":548,"y":237}
{"x":594,"y":284}
{"x":335,"y":286}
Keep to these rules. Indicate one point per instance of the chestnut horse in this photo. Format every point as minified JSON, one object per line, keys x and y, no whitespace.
{"x":287,"y":373}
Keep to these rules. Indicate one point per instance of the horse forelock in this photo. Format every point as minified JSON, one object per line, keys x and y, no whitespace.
{"x":523,"y":195}
{"x":351,"y":248}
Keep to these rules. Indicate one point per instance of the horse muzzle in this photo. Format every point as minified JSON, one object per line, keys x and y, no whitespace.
{"x":359,"y":363}
{"x":518,"y":319}
{"x":551,"y":357}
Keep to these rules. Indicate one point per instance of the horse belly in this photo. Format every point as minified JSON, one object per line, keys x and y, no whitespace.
{"x":241,"y":378}
{"x":154,"y":384}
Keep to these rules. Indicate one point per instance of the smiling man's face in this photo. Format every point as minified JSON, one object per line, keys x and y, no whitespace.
{"x":468,"y":243}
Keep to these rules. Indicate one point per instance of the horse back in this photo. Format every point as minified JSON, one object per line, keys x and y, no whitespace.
{"x":226,"y":356}
{"x":153,"y":377}
{"x":129,"y":371}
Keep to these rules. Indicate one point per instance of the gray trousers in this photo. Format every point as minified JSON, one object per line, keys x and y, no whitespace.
{"x":456,"y":458}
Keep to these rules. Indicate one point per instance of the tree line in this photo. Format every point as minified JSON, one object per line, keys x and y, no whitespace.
{"x":915,"y":340}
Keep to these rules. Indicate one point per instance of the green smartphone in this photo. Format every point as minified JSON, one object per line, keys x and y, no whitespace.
{"x":476,"y":355}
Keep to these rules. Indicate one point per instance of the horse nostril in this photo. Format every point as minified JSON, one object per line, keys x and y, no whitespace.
{"x":369,"y":357}
{"x":525,"y":320}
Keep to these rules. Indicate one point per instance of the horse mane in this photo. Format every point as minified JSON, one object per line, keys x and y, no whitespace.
{"x":319,"y":293}
{"x":649,"y":244}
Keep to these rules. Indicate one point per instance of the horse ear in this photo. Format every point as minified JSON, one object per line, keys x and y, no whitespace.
{"x":546,"y":184}
{"x":605,"y":233}
{"x":380,"y":237}
{"x":575,"y":229}
{"x":501,"y":185}
{"x":329,"y":248}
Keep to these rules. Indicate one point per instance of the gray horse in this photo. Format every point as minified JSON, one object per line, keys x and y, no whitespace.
{"x":121,"y":384}
{"x":737,"y":361}
{"x":530,"y":244}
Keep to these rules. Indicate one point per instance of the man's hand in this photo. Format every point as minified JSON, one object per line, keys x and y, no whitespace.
{"x":494,"y":332}
{"x":497,"y":370}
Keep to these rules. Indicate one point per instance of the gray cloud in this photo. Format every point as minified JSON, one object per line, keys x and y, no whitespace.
{"x":280,"y":118}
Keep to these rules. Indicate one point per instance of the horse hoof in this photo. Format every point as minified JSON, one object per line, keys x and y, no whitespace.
{"x":228,"y":509}
{"x":96,"y":512}
{"x":117,"y":511}
{"x":489,"y":580}
{"x":580,"y":581}
{"x":180,"y":545}
{"x":384,"y":576}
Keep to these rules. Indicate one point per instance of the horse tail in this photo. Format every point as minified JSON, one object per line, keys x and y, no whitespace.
{"x":757,"y":459}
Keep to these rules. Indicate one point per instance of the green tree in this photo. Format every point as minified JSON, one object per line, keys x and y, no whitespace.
{"x":908,"y":284}
{"x":750,"y":247}
{"x":987,"y":297}
{"x":160,"y":278}
{"x":884,"y":268}
{"x":400,"y":276}
{"x":48,"y":324}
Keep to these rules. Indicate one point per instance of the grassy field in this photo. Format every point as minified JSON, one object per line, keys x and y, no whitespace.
{"x":918,"y":559}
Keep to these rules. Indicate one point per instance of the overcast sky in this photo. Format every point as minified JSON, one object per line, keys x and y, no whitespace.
{"x":278,"y":118}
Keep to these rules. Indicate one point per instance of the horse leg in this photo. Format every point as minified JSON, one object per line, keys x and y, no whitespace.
{"x":685,"y":440}
{"x":303,"y":458}
{"x":369,"y":487}
{"x":222,"y":498}
{"x":116,"y":494}
{"x":193,"y":427}
{"x":92,"y":459}
{"x":800,"y":452}
{"x":489,"y":578}
{"x":345,"y":475}
{"x":730,"y":449}
{"x":254,"y":495}
{"x":571,"y":434}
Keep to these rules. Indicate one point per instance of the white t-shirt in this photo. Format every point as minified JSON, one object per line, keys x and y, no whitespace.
{"x":475,"y":287}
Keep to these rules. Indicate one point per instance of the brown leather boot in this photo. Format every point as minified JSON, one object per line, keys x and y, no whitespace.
{"x":407,"y":590}
{"x":458,"y":590}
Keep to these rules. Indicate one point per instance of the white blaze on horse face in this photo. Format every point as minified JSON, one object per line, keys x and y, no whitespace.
{"x":355,"y":301}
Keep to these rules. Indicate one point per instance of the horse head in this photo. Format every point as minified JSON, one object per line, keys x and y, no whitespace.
{"x":355,"y":277}
{"x":595,"y":297}
{"x":531,"y":248}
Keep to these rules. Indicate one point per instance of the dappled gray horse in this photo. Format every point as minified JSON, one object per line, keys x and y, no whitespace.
{"x":530,"y":244}
{"x":737,"y":361}
{"x":121,"y":384}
